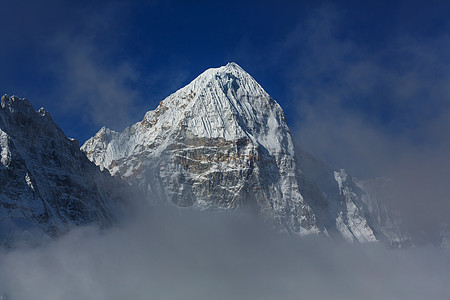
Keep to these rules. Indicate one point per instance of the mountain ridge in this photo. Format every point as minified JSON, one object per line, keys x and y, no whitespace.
{"x":47,"y":182}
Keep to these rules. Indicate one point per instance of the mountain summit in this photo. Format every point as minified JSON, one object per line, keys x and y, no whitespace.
{"x":222,"y":103}
{"x":222,"y":142}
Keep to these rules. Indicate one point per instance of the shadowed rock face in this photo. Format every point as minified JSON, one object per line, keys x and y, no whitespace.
{"x":46,"y":181}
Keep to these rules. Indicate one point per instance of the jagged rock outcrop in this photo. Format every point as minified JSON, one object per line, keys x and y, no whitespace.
{"x":46,"y":182}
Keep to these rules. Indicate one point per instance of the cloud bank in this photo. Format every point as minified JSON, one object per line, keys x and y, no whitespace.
{"x":168,"y":255}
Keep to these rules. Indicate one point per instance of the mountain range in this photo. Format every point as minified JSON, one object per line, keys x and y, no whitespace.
{"x":220,"y":143}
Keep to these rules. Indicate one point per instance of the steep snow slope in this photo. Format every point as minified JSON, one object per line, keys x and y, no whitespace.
{"x":222,"y":142}
{"x":46,"y":181}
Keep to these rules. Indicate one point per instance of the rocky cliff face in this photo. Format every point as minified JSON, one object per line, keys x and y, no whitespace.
{"x":46,"y":181}
{"x":222,"y":142}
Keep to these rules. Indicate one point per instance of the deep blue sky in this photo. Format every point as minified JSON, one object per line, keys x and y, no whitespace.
{"x":349,"y":74}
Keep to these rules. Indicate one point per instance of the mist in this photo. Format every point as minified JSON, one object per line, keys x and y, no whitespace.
{"x":192,"y":255}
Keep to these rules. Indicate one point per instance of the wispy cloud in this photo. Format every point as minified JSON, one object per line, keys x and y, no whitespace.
{"x":103,"y":92}
{"x":80,"y":62}
{"x":91,"y":81}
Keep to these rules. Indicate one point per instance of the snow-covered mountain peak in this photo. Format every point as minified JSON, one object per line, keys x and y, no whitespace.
{"x":228,"y":78}
{"x":221,"y":142}
{"x":224,"y":102}
{"x":221,"y":103}
{"x":231,"y":68}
